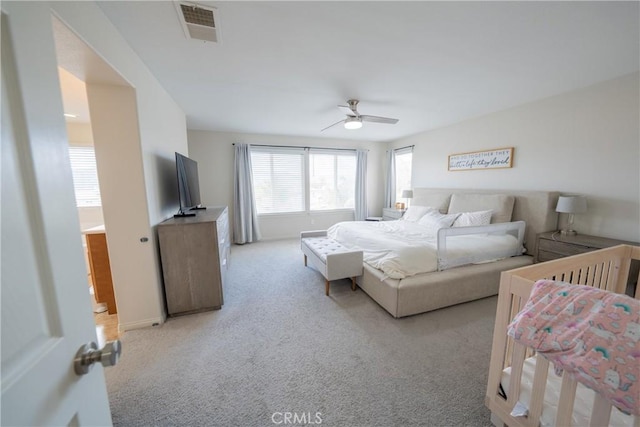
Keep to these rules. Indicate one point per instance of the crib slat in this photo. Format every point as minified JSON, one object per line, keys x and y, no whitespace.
{"x":516,"y":304}
{"x":537,"y":391}
{"x":575,"y":276}
{"x":597,"y":275}
{"x":590,"y":275}
{"x":601,"y":412}
{"x":610,"y":282}
{"x":623,"y":275}
{"x":584,"y":275}
{"x":517,"y":361}
{"x":605,"y":275}
{"x":500,"y":350}
{"x":566,"y":400}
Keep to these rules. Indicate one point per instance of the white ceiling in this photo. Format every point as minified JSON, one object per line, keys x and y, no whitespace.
{"x":282,"y":67}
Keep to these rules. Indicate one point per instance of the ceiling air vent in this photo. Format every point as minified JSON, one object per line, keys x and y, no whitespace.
{"x":198,"y":22}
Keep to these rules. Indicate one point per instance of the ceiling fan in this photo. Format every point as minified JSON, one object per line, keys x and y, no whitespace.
{"x":354,"y":119}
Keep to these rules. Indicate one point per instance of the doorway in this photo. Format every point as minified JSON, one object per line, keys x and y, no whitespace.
{"x":88,"y":85}
{"x":89,"y":205}
{"x":128,"y":190}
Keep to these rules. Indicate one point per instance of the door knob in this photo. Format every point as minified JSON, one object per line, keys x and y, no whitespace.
{"x":88,"y":354}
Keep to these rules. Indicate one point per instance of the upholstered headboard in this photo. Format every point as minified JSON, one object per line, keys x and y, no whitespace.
{"x":536,"y":208}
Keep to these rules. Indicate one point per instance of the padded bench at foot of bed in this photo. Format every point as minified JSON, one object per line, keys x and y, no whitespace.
{"x":330,"y":258}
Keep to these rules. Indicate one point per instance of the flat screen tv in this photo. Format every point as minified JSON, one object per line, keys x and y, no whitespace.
{"x":188,"y":185}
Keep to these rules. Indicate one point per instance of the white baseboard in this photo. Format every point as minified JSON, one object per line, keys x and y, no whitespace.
{"x":122,"y":327}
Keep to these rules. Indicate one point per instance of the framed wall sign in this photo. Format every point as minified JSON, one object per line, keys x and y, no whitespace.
{"x":498,"y":158}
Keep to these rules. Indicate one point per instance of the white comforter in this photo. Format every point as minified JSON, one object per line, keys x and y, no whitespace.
{"x":404,"y":248}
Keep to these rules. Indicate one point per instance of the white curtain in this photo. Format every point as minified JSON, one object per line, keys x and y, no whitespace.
{"x":245,"y":215}
{"x":390,"y":187}
{"x":361,"y":186}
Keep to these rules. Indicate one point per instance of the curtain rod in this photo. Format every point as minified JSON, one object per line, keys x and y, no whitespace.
{"x":298,"y":146}
{"x":402,"y":148}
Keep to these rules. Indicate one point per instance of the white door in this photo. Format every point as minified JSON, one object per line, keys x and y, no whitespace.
{"x":46,"y":310}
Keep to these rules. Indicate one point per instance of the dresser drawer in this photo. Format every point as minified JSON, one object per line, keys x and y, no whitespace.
{"x":222,"y":225}
{"x":548,"y":256}
{"x":561,"y":248}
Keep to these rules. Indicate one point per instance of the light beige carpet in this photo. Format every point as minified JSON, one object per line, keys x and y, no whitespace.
{"x":279,"y":345}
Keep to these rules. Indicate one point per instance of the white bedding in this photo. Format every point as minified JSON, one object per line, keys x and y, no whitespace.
{"x":405,"y":248}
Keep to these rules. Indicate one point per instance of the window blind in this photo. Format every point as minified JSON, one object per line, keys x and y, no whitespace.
{"x":278,"y":179}
{"x":331,"y":180}
{"x":85,"y":176}
{"x":404,"y":159}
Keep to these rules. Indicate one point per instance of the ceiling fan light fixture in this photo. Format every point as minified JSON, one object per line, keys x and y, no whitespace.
{"x":352,"y":123}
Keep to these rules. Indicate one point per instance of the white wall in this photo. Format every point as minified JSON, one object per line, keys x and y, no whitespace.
{"x":162,"y":123}
{"x":80,"y":134}
{"x":215,"y":156}
{"x":582,"y":142}
{"x":162,"y":130}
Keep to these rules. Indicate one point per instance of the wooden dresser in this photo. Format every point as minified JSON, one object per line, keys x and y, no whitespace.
{"x":195,"y":256}
{"x":100,"y":267}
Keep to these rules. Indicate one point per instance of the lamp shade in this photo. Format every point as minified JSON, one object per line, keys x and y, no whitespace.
{"x":407,"y":194}
{"x":571,"y":204}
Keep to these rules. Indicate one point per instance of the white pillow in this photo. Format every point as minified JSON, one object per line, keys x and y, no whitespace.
{"x":500,"y":204}
{"x":434,"y":220}
{"x":469,"y":219}
{"x":414,"y":213}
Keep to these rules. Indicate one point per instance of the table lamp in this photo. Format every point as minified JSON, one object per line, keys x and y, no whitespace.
{"x":407,"y":194}
{"x":571,"y":205}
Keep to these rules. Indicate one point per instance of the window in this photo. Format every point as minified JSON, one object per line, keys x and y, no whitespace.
{"x":332,"y":180}
{"x":302,"y":180}
{"x":85,"y":176}
{"x":404,"y":158}
{"x":278,"y":179}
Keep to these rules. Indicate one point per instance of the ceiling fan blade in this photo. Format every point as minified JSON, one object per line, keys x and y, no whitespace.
{"x":377,"y":119}
{"x":347,"y":110}
{"x":341,"y":121}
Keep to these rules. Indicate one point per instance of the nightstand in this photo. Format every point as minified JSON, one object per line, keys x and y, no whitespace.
{"x":553,"y":245}
{"x":391,"y":214}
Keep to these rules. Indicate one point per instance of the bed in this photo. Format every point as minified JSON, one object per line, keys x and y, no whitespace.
{"x":422,"y":291}
{"x":522,"y":388}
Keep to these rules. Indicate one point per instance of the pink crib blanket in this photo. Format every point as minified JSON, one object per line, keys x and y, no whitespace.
{"x":591,"y":334}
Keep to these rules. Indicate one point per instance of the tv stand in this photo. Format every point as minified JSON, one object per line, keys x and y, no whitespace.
{"x":196,"y":208}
